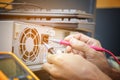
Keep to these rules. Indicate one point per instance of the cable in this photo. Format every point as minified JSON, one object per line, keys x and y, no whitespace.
{"x":115,"y":58}
{"x":105,"y":50}
{"x":94,"y":47}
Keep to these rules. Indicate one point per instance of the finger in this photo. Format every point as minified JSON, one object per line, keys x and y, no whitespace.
{"x":47,"y":67}
{"x":51,"y":69}
{"x":50,"y":58}
{"x":81,"y":46}
{"x":68,"y":49}
{"x":55,"y":59}
{"x":79,"y":36}
{"x":68,"y":38}
{"x":82,"y":37}
{"x":87,"y":39}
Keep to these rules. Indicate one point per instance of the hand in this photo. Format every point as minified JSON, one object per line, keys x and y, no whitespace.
{"x":72,"y":67}
{"x":80,"y":44}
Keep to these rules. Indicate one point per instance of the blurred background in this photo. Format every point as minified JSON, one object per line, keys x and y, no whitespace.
{"x":97,"y":18}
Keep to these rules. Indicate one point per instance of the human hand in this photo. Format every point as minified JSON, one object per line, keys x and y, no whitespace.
{"x":80,"y":44}
{"x":72,"y":67}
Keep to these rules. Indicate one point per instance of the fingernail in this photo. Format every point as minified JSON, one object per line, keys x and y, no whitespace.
{"x":72,"y":41}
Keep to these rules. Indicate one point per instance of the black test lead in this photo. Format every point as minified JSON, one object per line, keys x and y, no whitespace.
{"x":50,"y":49}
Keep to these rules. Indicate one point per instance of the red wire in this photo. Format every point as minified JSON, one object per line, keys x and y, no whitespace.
{"x":105,"y":50}
{"x":115,"y":58}
{"x":94,"y":47}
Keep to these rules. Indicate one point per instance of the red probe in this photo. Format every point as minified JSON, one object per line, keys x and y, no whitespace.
{"x":63,"y":42}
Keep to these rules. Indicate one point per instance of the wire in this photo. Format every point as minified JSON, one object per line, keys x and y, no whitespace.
{"x":115,"y":58}
{"x":109,"y":52}
{"x":63,"y":42}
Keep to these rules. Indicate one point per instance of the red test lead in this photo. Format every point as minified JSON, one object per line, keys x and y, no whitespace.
{"x":63,"y":42}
